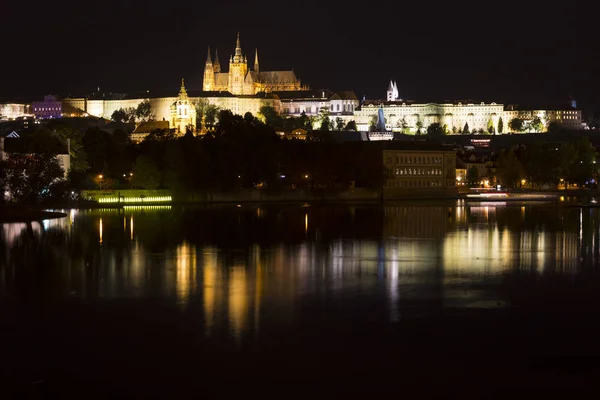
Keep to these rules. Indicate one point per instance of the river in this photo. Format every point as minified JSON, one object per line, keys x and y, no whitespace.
{"x":420,"y":298}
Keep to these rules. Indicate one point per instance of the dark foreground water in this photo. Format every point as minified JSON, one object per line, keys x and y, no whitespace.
{"x":420,"y":300}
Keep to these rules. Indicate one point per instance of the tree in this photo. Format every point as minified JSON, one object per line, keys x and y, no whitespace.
{"x":537,"y":125}
{"x":77,"y":152}
{"x":419,"y":126}
{"x":516,"y":125}
{"x":510,"y":169}
{"x":201,"y":105}
{"x":435,"y":129}
{"x":466,"y":129}
{"x":130,"y":112}
{"x":30,"y":178}
{"x":472,"y":176}
{"x":210,"y":114}
{"x":144,"y":111}
{"x":490,"y":127}
{"x":146,"y":173}
{"x":554,"y":126}
{"x":454,"y":130}
{"x":271,"y":116}
{"x":339,"y":123}
{"x":373,"y":123}
{"x":500,"y":125}
{"x":325,"y":124}
{"x":119,"y":115}
{"x":351,"y":126}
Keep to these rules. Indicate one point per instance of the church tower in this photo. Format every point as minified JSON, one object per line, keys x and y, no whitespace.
{"x":238,"y":68}
{"x":217,"y":65}
{"x":209,"y":74}
{"x":183,"y":112}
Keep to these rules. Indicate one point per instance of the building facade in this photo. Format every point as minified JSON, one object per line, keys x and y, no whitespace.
{"x":240,"y":80}
{"x":409,"y":118}
{"x":413,"y":172}
{"x":14,"y":110}
{"x":458,"y":117}
{"x":569,"y":119}
{"x":51,"y":107}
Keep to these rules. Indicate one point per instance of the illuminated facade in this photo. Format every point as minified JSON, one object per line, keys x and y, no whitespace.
{"x":239,"y":80}
{"x":49,"y":108}
{"x":407,"y":117}
{"x":402,"y":116}
{"x":420,"y":171}
{"x":14,"y":110}
{"x":183,"y":112}
{"x":569,"y":119}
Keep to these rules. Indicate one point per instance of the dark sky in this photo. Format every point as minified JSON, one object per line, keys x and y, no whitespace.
{"x":504,"y":51}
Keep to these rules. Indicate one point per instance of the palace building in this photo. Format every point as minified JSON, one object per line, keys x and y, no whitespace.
{"x":240,"y":80}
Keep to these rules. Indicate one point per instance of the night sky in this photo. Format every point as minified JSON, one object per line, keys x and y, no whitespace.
{"x":508,"y":52}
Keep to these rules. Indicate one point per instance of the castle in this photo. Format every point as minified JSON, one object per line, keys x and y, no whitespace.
{"x":242,"y":81}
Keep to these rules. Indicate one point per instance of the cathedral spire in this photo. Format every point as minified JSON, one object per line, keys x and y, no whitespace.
{"x":238,"y":51}
{"x":208,"y":60}
{"x":256,"y":61}
{"x":217,"y":66}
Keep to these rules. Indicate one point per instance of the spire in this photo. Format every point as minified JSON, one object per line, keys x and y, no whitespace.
{"x":208,"y":60}
{"x":256,"y":61}
{"x":391,"y":87}
{"x":216,"y":65}
{"x":238,"y":51}
{"x":182,"y":91}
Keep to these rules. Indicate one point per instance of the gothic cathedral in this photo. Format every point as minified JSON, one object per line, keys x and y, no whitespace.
{"x":241,"y":81}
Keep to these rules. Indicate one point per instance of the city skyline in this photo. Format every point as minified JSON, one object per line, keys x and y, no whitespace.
{"x":453,"y":52}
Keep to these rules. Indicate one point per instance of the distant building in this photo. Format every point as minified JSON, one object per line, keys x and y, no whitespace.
{"x":10,"y":111}
{"x":183,"y":113}
{"x":146,"y":128}
{"x":414,"y":170}
{"x":239,"y":80}
{"x":566,"y":118}
{"x":392,"y":92}
{"x":49,"y":108}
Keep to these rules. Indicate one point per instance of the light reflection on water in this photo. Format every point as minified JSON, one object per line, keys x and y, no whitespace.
{"x":239,"y":266}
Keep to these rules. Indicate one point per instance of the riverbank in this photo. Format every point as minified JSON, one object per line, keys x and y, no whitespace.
{"x":21,"y":213}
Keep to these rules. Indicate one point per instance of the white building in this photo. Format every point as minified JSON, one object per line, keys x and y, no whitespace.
{"x":14,"y":110}
{"x":403,"y":116}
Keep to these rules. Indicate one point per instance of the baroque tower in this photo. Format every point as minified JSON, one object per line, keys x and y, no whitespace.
{"x":209,"y":74}
{"x":238,"y":68}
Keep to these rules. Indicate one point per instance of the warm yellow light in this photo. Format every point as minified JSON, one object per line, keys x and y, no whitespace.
{"x":306,"y":176}
{"x":523,"y":181}
{"x":486,"y":182}
{"x":100,"y":176}
{"x":459,"y":178}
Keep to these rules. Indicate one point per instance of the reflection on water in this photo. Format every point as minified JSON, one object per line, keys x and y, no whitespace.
{"x":239,"y":267}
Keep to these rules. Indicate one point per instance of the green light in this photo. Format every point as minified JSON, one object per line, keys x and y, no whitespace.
{"x":157,"y":199}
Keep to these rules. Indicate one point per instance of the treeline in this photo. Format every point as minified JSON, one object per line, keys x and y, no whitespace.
{"x":543,"y":163}
{"x":240,"y":153}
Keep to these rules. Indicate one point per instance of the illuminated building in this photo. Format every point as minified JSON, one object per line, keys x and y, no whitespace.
{"x":412,"y":171}
{"x":405,"y":116}
{"x":239,"y":80}
{"x":569,"y":119}
{"x":49,"y":108}
{"x":183,"y":113}
{"x":14,"y":110}
{"x":408,"y":117}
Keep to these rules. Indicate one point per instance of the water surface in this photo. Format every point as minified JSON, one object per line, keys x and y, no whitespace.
{"x":441,"y":297}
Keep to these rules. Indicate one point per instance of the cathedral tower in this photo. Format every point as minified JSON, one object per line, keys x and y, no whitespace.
{"x":209,"y":74}
{"x":217,"y":65}
{"x":238,"y":68}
